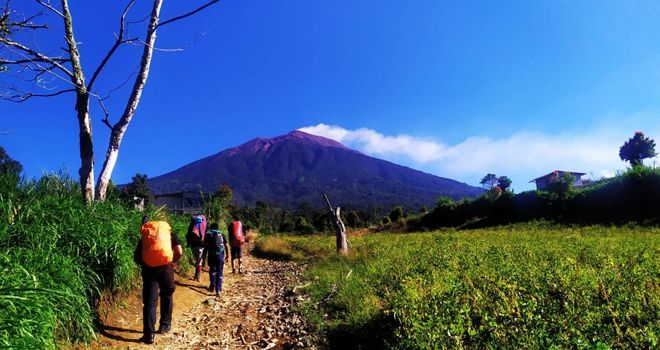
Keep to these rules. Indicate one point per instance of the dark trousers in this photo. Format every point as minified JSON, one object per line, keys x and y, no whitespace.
{"x":198,"y":260}
{"x":154,"y":279}
{"x":216,"y":265}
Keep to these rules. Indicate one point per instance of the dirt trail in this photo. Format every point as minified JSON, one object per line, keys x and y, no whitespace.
{"x":254,"y":311}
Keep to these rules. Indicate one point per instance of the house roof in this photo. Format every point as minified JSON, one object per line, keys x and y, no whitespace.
{"x":577,"y":174}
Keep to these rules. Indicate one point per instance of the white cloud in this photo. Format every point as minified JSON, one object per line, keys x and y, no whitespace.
{"x":372,"y":142}
{"x":522,"y":155}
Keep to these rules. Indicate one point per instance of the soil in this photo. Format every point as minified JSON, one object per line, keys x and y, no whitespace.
{"x":256,"y":310}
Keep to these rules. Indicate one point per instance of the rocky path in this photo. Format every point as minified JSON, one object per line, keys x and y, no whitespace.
{"x":254,"y":311}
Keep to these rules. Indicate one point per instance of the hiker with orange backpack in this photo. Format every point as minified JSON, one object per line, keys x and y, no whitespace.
{"x":236,"y":241}
{"x":215,"y":247}
{"x":156,"y":251}
{"x":195,"y":240}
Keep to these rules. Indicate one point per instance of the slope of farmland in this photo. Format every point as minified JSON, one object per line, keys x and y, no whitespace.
{"x":523,"y":286}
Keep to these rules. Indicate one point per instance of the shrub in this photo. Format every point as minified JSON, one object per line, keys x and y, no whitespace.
{"x":396,"y":214}
{"x":273,"y":248}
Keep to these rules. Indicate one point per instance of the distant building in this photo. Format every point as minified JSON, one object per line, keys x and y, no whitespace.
{"x":180,"y":202}
{"x":542,"y":182}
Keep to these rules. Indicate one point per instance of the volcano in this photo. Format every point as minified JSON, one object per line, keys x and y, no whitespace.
{"x":298,"y":167}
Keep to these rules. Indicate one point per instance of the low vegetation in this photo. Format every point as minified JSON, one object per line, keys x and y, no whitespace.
{"x":523,"y":286}
{"x":631,"y":196}
{"x":57,"y":256}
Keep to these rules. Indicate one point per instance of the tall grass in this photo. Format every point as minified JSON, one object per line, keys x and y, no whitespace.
{"x":56,"y":256}
{"x":523,"y":286}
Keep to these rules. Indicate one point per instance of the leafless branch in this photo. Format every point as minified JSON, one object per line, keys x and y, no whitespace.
{"x":119,"y":41}
{"x":26,"y":63}
{"x":24,"y":24}
{"x":50,"y":7}
{"x":187,"y":14}
{"x":105,"y":120}
{"x":122,"y":84}
{"x":139,"y":20}
{"x":40,"y":71}
{"x":5,"y":12}
{"x":178,"y":49}
{"x":35,"y":55}
{"x":32,"y":60}
{"x":20,"y":96}
{"x":29,"y":19}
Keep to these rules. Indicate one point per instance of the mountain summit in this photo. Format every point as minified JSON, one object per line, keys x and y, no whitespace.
{"x":298,"y":167}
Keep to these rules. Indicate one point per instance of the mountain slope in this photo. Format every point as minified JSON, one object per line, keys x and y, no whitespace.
{"x":297,"y":167}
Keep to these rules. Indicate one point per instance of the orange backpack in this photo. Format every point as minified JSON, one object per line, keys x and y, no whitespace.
{"x":156,"y":243}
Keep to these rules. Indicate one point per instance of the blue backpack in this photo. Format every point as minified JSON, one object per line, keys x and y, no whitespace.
{"x":217,"y":241}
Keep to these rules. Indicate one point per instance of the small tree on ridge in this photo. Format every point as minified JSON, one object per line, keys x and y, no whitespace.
{"x":637,"y":148}
{"x":503,"y":182}
{"x":488,"y":181}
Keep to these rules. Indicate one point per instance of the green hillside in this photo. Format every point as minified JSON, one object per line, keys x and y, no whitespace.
{"x":521,"y":286}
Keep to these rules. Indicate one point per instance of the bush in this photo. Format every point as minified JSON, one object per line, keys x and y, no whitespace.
{"x":396,"y":214}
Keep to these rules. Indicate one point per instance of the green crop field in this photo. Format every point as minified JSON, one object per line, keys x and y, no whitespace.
{"x":521,"y":286}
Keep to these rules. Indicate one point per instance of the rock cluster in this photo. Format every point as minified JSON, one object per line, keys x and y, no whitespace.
{"x":256,"y":310}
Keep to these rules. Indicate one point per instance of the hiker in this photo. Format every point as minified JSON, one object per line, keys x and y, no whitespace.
{"x":236,"y":240}
{"x":156,"y":251}
{"x":215,"y":246}
{"x":195,"y":240}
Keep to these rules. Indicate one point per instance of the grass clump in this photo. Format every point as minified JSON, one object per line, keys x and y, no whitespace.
{"x":56,"y":257}
{"x":275,"y":248}
{"x":521,"y":286}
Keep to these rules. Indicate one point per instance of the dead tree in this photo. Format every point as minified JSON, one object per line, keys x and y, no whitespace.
{"x":340,"y":229}
{"x":68,"y":68}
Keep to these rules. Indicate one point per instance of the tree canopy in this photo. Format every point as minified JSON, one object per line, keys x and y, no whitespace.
{"x":138,"y":190}
{"x":503,"y":182}
{"x":9,"y":166}
{"x":488,"y":181}
{"x":637,"y":148}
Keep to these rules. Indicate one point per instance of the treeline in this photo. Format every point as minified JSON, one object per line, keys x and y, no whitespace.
{"x":305,"y":219}
{"x":633,"y":196}
{"x":267,"y":218}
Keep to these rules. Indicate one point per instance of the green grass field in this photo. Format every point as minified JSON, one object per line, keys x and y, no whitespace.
{"x":521,"y":286}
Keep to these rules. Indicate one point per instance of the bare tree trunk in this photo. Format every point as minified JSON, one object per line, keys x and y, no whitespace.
{"x":86,"y":171}
{"x":40,"y":63}
{"x":340,"y":229}
{"x":119,"y":129}
{"x":342,"y":243}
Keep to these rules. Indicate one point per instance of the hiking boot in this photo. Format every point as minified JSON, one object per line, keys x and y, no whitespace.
{"x":164,"y":329}
{"x":233,"y":271}
{"x":147,"y":339}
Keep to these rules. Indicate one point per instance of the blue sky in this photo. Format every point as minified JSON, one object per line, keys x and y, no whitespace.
{"x":453,"y":88}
